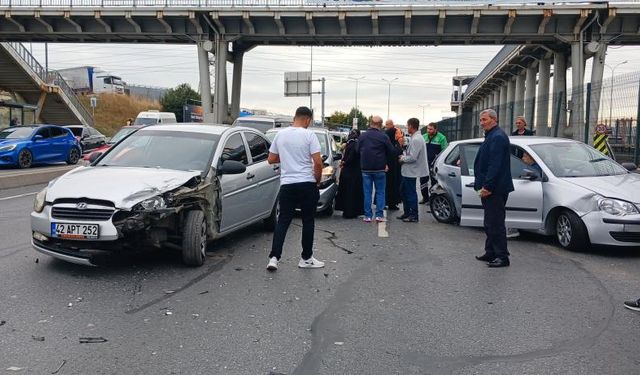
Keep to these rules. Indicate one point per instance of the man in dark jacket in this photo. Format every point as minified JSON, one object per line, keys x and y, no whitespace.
{"x":493,"y":183}
{"x":375,"y":148}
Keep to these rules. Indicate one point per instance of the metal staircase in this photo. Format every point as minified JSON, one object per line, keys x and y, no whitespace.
{"x":21,"y":73}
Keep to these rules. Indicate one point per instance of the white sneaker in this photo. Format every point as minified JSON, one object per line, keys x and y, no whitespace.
{"x":310,"y":263}
{"x":512,"y":233}
{"x":273,"y":264}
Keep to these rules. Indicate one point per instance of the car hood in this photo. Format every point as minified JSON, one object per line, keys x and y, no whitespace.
{"x":625,"y":186}
{"x":125,"y":187}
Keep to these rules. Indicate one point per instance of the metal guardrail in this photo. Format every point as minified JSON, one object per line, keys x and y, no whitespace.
{"x":275,"y":3}
{"x":51,"y":78}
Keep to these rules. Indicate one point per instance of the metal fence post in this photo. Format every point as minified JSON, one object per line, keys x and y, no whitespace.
{"x":636,"y":151}
{"x":586,"y":117}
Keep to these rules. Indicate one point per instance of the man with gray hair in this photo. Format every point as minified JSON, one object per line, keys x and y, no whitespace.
{"x":492,"y":181}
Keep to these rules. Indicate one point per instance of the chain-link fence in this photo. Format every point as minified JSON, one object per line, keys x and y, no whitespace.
{"x":553,"y":115}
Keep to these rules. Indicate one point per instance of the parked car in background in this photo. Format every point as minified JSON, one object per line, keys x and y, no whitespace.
{"x":88,"y":137}
{"x":214,"y":181}
{"x":121,"y":134}
{"x":581,"y":197}
{"x":23,"y":146}
{"x":263,"y":123}
{"x":331,"y":157}
{"x":155,"y":117}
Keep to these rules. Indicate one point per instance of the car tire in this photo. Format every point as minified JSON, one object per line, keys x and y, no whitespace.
{"x":194,"y":238}
{"x":443,"y":209}
{"x":74,"y":156}
{"x":25,"y":159}
{"x":571,"y":232}
{"x":271,"y":222}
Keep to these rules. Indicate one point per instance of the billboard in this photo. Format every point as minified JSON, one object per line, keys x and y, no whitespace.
{"x":192,"y":113}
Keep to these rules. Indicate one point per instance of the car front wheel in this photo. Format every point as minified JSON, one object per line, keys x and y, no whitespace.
{"x":571,"y":231}
{"x":442,"y":209}
{"x":25,"y":159}
{"x":194,"y":238}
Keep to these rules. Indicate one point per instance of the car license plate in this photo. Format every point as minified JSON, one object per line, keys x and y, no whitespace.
{"x":75,"y":231}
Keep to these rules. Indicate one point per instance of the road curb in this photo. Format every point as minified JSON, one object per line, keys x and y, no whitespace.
{"x":33,"y":177}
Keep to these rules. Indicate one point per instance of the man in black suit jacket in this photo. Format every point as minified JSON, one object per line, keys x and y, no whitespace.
{"x":493,"y":183}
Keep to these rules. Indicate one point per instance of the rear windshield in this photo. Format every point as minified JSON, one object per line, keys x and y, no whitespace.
{"x":145,"y":121}
{"x":76,"y":131}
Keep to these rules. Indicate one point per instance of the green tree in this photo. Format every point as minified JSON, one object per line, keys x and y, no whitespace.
{"x":176,"y":98}
{"x":338,"y":117}
{"x":363,"y":121}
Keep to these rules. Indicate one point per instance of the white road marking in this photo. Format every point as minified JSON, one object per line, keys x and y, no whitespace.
{"x":382,"y":227}
{"x":18,"y":196}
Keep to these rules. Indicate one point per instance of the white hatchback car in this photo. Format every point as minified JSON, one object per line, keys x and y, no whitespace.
{"x":581,"y":197}
{"x":174,"y":186}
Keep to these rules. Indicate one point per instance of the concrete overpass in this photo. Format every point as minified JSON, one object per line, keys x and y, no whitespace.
{"x":230,"y":28}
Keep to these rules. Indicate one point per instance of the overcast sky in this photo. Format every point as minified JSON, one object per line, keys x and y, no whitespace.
{"x":423,"y":73}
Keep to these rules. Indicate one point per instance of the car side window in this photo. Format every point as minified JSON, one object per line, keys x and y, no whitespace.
{"x":517,"y":167}
{"x":258,"y":147}
{"x":453,"y":158}
{"x":57,"y":132}
{"x":44,"y":132}
{"x":234,"y":149}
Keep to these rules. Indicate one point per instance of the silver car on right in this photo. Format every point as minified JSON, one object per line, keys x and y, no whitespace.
{"x":581,"y":197}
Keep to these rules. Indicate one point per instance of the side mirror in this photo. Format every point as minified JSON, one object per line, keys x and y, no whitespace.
{"x":630,"y":166}
{"x":231,"y":167}
{"x":38,"y":138}
{"x":337,"y":156}
{"x":529,"y":174}
{"x":325,"y":157}
{"x":94,"y":156}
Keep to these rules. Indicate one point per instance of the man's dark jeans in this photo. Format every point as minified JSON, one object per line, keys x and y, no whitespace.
{"x":409,"y":196}
{"x":494,"y":215}
{"x":304,"y":195}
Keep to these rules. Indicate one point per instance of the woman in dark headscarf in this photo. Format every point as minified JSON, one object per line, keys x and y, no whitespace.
{"x":392,"y":188}
{"x":350,"y":197}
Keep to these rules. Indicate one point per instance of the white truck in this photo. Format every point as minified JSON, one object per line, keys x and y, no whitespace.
{"x":92,"y":80}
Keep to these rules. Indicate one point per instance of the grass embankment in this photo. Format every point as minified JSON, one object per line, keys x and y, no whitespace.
{"x":113,"y":110}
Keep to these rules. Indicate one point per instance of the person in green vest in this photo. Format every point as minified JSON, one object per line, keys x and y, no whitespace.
{"x":436,"y":143}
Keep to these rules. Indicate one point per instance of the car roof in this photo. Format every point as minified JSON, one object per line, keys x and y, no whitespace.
{"x":522,"y":140}
{"x":195,"y":127}
{"x":264,"y":118}
{"x":313,"y":129}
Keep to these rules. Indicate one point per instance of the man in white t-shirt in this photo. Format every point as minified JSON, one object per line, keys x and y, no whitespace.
{"x":298,"y":151}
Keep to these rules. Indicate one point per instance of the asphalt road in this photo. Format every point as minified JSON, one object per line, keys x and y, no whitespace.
{"x":416,"y":302}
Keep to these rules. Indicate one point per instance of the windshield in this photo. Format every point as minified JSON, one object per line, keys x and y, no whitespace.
{"x":570,"y":159}
{"x":321,"y":138}
{"x":263,"y":126}
{"x":15,"y":133}
{"x":185,"y":151}
{"x":123,"y":132}
{"x":145,"y":121}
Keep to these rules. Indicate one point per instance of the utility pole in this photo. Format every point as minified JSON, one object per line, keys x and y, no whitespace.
{"x":423,"y":106}
{"x":355,"y":122}
{"x":389,"y":82}
{"x":322,"y":121}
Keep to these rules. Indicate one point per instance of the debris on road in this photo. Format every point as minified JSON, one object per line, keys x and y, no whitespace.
{"x":195,"y":316}
{"x":204,"y":292}
{"x":64,"y":361}
{"x":92,"y":340}
{"x":239,"y":269}
{"x":339,"y":343}
{"x":70,"y":305}
{"x":37,"y":260}
{"x":169,"y":291}
{"x":2,"y":322}
{"x":14,"y":368}
{"x":168,"y":313}
{"x":37,"y":338}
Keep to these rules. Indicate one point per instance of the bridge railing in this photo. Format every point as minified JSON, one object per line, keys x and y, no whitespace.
{"x":51,"y":78}
{"x":262,"y":3}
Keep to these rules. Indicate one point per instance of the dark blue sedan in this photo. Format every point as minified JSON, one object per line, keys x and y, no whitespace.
{"x":23,"y":146}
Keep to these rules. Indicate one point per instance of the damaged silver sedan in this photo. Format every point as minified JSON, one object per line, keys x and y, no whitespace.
{"x":169,"y":186}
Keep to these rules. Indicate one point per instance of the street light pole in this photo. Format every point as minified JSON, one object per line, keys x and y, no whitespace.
{"x":355,"y":124}
{"x":611,"y":90}
{"x":423,"y":107}
{"x":389,"y":94}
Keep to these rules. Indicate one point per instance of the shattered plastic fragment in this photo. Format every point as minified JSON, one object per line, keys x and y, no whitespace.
{"x":37,"y":338}
{"x":339,"y":343}
{"x":168,"y":313}
{"x":92,"y":340}
{"x":14,"y":368}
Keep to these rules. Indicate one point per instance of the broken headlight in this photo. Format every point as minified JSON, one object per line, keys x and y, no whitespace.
{"x":39,"y":201}
{"x":153,"y":203}
{"x":617,"y":207}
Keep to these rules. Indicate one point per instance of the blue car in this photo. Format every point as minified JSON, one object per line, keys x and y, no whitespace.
{"x":23,"y":146}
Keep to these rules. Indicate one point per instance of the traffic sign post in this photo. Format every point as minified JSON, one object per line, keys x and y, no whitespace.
{"x":600,"y":139}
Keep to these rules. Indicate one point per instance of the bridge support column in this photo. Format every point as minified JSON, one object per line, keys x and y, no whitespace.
{"x":238,"y":57}
{"x":496,"y":100}
{"x":474,"y":120}
{"x":542,"y":105}
{"x":519,"y":96}
{"x":559,"y":103}
{"x":530,"y":96}
{"x":205,"y":80}
{"x":597,"y":72}
{"x":502,"y":109}
{"x":507,"y":124}
{"x":575,"y":129}
{"x":221,"y":100}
